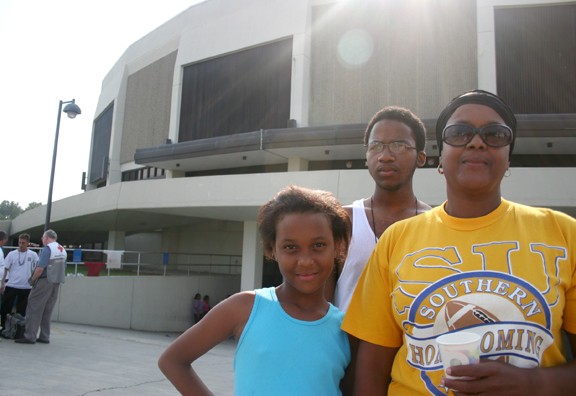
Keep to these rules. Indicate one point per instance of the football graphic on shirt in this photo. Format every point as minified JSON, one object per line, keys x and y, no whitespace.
{"x":460,"y":314}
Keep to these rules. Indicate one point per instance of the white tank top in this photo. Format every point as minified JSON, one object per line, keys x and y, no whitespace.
{"x":361,"y":245}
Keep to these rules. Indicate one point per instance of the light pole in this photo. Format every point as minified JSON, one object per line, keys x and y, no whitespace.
{"x":72,"y":110}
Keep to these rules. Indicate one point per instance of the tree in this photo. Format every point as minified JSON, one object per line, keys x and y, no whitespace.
{"x":9,"y":210}
{"x":32,"y":205}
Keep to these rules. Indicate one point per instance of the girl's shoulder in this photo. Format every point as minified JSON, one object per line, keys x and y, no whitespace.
{"x":240,"y":300}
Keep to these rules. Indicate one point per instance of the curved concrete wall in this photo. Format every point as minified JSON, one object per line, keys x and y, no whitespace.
{"x":150,"y":303}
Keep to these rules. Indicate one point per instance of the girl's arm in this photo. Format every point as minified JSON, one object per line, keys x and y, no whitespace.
{"x":224,"y":320}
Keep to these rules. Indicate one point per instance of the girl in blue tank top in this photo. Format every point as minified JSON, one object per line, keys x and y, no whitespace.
{"x":289,"y":337}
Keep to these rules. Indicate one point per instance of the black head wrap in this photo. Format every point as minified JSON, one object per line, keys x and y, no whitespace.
{"x":476,"y":97}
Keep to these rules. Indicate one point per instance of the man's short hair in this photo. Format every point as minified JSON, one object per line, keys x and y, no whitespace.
{"x":403,"y":115}
{"x":3,"y":235}
{"x":51,"y":234}
{"x":24,"y":236}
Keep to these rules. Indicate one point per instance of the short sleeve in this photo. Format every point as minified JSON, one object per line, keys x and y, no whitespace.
{"x":369,"y":316}
{"x":570,"y":307}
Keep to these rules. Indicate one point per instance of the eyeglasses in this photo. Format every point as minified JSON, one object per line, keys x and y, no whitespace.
{"x":495,"y":135}
{"x":376,"y":147}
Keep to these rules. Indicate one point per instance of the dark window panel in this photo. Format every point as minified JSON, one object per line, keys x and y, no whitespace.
{"x":536,"y":58}
{"x":241,"y":92}
{"x":101,"y":146}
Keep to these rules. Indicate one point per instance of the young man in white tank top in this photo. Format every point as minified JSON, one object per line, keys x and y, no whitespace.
{"x":394,"y":139}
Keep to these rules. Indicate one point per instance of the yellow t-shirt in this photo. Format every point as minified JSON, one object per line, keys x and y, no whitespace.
{"x":509,"y":276}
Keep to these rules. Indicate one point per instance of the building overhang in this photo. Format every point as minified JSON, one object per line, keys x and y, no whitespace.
{"x":544,"y":134}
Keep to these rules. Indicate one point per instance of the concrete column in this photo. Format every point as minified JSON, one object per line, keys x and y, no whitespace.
{"x":116,"y":240}
{"x":252,"y":261}
{"x":297,"y":164}
{"x":300,"y":93}
{"x":170,"y":174}
{"x":486,"y":38}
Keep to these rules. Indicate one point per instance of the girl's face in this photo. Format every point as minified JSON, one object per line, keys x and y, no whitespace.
{"x":475,"y":168}
{"x":305,"y":251}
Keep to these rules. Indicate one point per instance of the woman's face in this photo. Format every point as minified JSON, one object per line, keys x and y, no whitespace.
{"x":476,"y":168}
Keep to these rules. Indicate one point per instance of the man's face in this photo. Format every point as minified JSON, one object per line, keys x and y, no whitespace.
{"x":391,"y":170}
{"x":23,"y":244}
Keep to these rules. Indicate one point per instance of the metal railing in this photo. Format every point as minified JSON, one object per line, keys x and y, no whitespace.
{"x":93,"y":262}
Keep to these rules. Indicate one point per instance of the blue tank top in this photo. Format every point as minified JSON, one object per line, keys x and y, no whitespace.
{"x":280,"y":355}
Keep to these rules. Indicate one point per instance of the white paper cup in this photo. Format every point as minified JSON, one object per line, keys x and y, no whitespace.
{"x":458,"y":349}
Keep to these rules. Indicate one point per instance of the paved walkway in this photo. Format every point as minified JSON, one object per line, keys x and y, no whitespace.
{"x":86,"y":360}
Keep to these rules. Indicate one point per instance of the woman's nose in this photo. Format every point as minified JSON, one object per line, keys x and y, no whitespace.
{"x":476,"y":141}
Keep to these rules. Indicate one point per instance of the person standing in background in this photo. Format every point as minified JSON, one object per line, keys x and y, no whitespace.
{"x":3,"y":239}
{"x":19,"y":264}
{"x":206,"y":305}
{"x":197,"y":307}
{"x":45,"y":281}
{"x":395,"y":139}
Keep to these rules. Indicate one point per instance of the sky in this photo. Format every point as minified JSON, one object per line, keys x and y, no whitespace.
{"x":54,"y":50}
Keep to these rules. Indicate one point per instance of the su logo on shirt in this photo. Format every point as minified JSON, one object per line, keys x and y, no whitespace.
{"x":437,"y":293}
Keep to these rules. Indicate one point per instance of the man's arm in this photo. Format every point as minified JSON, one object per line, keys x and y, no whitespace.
{"x":43,"y":261}
{"x":34,"y":278}
{"x":3,"y":280}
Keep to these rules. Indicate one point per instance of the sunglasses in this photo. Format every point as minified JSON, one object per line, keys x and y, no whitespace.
{"x":495,"y":135}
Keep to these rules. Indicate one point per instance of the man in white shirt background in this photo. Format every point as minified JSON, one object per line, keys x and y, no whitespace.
{"x":18,"y":268}
{"x":3,"y":239}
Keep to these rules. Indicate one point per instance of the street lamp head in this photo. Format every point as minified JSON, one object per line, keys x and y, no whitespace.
{"x":72,"y":110}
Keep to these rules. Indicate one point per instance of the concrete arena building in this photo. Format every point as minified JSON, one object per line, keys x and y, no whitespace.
{"x":208,"y":116}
